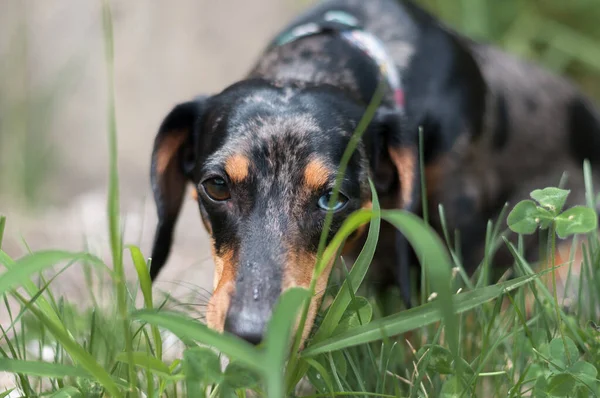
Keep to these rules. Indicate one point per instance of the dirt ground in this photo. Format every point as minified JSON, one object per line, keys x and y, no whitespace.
{"x":166,"y":52}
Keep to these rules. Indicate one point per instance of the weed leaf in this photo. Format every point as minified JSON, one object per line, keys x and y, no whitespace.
{"x":552,"y":199}
{"x":523,"y":218}
{"x":359,"y":312}
{"x":576,"y":220}
{"x":202,"y":364}
{"x":558,"y":353}
{"x":239,"y":376}
{"x":560,"y":385}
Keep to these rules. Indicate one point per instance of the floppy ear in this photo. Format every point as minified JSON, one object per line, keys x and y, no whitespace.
{"x":173,"y":158}
{"x":394,"y":157}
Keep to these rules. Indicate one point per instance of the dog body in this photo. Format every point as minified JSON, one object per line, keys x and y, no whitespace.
{"x":262,"y":155}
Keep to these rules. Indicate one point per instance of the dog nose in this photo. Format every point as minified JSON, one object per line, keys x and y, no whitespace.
{"x":245,"y":326}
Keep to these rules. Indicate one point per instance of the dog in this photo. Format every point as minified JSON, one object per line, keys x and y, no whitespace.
{"x":262,"y":155}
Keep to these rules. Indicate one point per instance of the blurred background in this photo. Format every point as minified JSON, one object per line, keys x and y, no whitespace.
{"x":53,"y":113}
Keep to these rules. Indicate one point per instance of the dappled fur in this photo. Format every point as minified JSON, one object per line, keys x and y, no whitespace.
{"x":494,"y":128}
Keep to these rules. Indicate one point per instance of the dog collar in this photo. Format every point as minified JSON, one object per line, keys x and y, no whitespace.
{"x":349,"y":29}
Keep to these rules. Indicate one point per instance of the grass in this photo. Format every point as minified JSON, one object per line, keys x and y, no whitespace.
{"x":486,"y":345}
{"x":511,"y":338}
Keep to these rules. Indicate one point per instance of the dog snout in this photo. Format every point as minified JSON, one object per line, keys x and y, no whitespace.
{"x":246,"y":324}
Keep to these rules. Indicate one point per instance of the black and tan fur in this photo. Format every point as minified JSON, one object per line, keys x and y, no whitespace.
{"x":495,"y":128}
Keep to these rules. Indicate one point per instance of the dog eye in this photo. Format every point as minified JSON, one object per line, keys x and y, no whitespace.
{"x":216,"y":189}
{"x":324,"y":202}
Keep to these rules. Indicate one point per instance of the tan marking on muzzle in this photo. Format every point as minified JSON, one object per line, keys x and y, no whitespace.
{"x":405,"y":161}
{"x":298,"y":273}
{"x":236,"y":167}
{"x":167,"y":150}
{"x":316,"y":174}
{"x":224,"y":282}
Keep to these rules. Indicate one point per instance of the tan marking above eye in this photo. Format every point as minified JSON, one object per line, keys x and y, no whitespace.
{"x":167,"y":150}
{"x":237,"y":167}
{"x":316,"y":174}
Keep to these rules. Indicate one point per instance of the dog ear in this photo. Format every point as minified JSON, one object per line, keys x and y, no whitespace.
{"x":394,"y":158}
{"x":173,"y":159}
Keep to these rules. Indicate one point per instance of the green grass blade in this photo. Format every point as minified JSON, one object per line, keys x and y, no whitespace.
{"x":41,"y":369}
{"x":278,"y":339}
{"x":590,"y":200}
{"x":355,"y":278}
{"x":354,"y":142}
{"x":77,"y":352}
{"x":355,"y":220}
{"x":183,"y":326}
{"x":67,"y":392}
{"x":324,"y":374}
{"x":6,"y":393}
{"x":542,"y":288}
{"x":355,"y":370}
{"x":144,"y":361}
{"x":351,"y":224}
{"x":413,"y":318}
{"x":430,"y":249}
{"x":34,"y":298}
{"x":146,"y":285}
{"x":113,"y":203}
{"x":14,"y":348}
{"x":2,"y":226}
{"x":352,"y":394}
{"x":25,"y":267}
{"x":143,"y":275}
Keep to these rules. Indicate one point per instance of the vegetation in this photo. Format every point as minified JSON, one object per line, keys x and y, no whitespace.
{"x":470,"y":338}
{"x":559,"y":35}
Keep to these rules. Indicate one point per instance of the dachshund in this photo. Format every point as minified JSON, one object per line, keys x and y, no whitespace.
{"x":262,"y":155}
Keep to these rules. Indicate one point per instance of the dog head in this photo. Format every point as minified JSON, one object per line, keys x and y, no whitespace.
{"x":262,"y":159}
